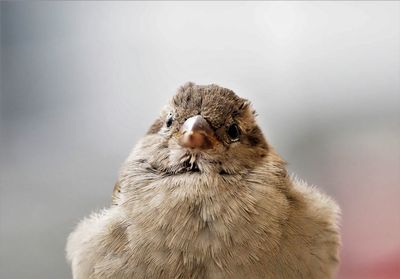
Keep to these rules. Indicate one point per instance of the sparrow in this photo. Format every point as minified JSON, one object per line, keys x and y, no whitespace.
{"x":204,"y":195}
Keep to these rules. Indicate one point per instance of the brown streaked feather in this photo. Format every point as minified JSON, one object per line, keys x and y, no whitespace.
{"x":156,"y":126}
{"x":116,"y":193}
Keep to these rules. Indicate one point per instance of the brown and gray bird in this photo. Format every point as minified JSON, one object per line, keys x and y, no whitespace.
{"x":203,"y":195}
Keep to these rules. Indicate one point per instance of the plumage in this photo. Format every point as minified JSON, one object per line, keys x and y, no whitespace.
{"x":212,"y":206}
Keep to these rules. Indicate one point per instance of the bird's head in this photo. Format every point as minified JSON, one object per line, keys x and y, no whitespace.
{"x":207,"y":129}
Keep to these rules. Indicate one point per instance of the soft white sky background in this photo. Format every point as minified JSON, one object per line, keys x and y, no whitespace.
{"x":81,"y":82}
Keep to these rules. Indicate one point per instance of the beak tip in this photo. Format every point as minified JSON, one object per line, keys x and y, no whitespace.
{"x":192,"y":140}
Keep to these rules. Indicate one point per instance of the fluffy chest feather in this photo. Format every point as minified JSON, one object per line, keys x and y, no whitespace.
{"x":204,"y":222}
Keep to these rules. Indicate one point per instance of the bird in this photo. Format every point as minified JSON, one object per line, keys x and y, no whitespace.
{"x":203,"y":194}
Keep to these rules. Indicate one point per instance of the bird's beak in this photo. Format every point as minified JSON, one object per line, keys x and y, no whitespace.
{"x":196,"y":133}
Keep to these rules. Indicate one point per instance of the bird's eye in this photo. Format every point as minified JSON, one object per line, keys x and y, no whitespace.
{"x":169,"y":121}
{"x":233,"y":132}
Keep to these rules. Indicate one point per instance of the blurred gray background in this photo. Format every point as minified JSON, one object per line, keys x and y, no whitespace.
{"x":82,"y":81}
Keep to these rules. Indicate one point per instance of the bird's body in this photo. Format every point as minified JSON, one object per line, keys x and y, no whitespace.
{"x":215,"y":204}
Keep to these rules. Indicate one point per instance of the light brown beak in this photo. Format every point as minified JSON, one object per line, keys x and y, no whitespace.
{"x":196,"y":133}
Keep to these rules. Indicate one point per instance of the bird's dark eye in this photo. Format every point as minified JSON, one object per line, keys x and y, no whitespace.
{"x":233,"y":132}
{"x":169,"y":121}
